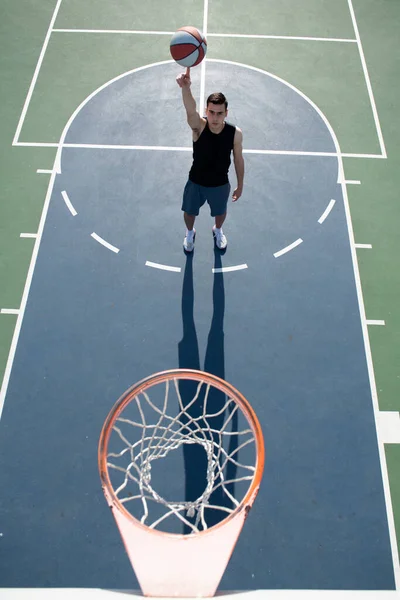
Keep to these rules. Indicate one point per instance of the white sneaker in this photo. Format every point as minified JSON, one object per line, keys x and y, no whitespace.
{"x":220,"y":239}
{"x":188,"y":245}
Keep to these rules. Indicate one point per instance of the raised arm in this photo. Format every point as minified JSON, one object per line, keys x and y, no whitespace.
{"x":193,"y":118}
{"x":238,"y":162}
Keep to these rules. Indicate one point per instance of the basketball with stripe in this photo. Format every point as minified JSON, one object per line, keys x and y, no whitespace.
{"x":188,"y":46}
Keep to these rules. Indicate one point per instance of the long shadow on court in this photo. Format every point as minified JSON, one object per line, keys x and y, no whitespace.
{"x":195,"y":458}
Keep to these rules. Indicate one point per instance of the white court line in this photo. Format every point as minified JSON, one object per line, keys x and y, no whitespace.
{"x":373,"y":388}
{"x":352,"y":182}
{"x":367,"y":80}
{"x":288,"y":248}
{"x":68,"y":203}
{"x":326,"y":211}
{"x":36,"y":144}
{"x":374,"y":322}
{"x":17,"y":329}
{"x":36,"y":74}
{"x":363,"y":245}
{"x":9,"y":311}
{"x":228,"y":269}
{"x":148,"y":263}
{"x":203,"y":64}
{"x":189,"y":149}
{"x":44,"y":171}
{"x":281,"y":37}
{"x":128,"y":147}
{"x":138,"y":31}
{"x":104,"y":242}
{"x":28,"y":235}
{"x":226,"y":35}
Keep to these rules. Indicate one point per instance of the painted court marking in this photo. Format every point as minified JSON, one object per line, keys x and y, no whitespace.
{"x":68,"y":203}
{"x":389,"y":426}
{"x":9,"y":311}
{"x":28,"y":235}
{"x":288,"y":248}
{"x":352,"y":182}
{"x":374,"y":322}
{"x":104,"y":242}
{"x":36,"y":73}
{"x":367,"y":80}
{"x":363,"y":245}
{"x":228,"y":269}
{"x":340,"y":155}
{"x":49,"y":171}
{"x":154,"y":265}
{"x":326,"y":211}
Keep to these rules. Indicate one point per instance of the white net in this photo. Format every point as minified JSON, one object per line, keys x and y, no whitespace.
{"x":190,"y":417}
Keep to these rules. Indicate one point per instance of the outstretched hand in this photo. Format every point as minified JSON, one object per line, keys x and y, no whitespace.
{"x":183,"y":80}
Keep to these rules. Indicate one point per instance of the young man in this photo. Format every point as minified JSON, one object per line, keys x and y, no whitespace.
{"x":213,"y":141}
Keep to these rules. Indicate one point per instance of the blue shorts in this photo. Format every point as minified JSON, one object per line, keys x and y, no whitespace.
{"x":195,"y":195}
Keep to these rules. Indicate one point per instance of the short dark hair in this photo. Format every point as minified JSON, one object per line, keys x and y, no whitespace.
{"x":217,"y":98}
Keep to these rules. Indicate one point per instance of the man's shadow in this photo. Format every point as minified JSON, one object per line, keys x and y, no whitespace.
{"x":195,"y":458}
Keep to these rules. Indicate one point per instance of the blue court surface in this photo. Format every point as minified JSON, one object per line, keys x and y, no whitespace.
{"x":114,"y":298}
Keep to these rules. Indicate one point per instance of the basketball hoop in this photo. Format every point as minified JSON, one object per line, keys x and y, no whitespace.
{"x":181,"y":411}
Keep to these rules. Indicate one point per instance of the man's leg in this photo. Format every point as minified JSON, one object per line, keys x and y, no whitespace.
{"x":218,"y":203}
{"x":188,"y":242}
{"x":219,"y":219}
{"x":189,"y":220}
{"x":190,"y":205}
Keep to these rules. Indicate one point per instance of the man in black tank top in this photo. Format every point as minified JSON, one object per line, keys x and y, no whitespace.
{"x":213,"y":141}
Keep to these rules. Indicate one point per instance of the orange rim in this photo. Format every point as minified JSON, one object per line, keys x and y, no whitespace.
{"x":169,"y":375}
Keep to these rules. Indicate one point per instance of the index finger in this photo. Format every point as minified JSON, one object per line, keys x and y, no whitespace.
{"x":187,"y":74}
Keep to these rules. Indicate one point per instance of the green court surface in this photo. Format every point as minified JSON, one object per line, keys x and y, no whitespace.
{"x":346,"y":62}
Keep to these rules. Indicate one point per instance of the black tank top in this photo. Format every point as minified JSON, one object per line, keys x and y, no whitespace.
{"x":212,"y":156}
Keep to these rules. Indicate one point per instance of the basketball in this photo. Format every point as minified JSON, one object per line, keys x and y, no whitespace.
{"x":188,"y":46}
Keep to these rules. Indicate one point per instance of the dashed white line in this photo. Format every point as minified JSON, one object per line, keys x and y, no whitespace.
{"x":352,"y":182}
{"x":9,"y":311}
{"x":104,"y":243}
{"x":288,"y":248}
{"x":28,"y":235}
{"x":374,"y":322}
{"x":154,"y":265}
{"x":363,"y":245}
{"x":326,"y":211}
{"x":228,"y":269}
{"x":68,"y":203}
{"x":44,"y":171}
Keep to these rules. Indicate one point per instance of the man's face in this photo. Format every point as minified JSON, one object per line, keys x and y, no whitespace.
{"x":216,"y":114}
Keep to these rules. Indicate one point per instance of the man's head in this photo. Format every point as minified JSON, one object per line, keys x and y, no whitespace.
{"x":216,"y":110}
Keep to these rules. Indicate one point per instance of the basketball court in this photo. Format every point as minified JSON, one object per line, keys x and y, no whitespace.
{"x":111,"y":298}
